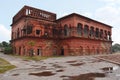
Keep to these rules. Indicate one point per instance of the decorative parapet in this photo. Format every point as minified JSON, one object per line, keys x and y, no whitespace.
{"x":34,"y":13}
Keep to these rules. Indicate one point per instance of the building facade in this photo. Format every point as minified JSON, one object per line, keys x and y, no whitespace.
{"x":38,"y":32}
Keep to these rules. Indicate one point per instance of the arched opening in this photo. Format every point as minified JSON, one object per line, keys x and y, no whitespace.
{"x":86,"y":31}
{"x":31,"y":51}
{"x":29,"y":28}
{"x":105,"y":34}
{"x":66,"y":30}
{"x":101,"y":34}
{"x":39,"y":52}
{"x":109,"y":35}
{"x":19,"y":51}
{"x":91,"y":32}
{"x":79,"y":29}
{"x":62,"y":51}
{"x":97,"y":33}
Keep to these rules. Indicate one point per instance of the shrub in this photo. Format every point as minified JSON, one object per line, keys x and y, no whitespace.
{"x":8,"y":50}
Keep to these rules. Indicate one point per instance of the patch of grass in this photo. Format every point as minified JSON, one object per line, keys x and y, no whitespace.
{"x":5,"y":66}
{"x":35,"y":58}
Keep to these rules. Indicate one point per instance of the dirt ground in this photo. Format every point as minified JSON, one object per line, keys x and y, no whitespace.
{"x":64,"y":68}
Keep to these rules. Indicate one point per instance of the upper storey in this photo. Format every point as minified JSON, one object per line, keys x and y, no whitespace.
{"x":77,"y":17}
{"x":27,"y":11}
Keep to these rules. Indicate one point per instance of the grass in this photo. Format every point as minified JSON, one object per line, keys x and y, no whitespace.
{"x":5,"y":66}
{"x":34,"y":58}
{"x":37,"y":58}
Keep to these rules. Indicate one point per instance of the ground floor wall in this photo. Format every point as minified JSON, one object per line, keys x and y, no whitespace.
{"x":86,"y":47}
{"x":45,"y":47}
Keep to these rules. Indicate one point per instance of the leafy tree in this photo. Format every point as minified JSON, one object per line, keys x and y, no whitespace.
{"x":116,"y":48}
{"x":5,"y":44}
{"x":7,"y":47}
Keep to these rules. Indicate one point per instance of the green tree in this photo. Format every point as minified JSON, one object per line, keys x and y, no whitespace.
{"x":6,"y":47}
{"x":5,"y":44}
{"x":116,"y":48}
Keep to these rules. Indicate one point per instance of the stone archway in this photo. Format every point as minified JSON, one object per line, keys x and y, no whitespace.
{"x":64,"y":49}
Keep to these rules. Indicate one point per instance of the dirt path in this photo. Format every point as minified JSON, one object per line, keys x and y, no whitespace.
{"x":62,"y":68}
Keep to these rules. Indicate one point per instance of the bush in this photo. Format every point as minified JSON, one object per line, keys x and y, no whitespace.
{"x":8,"y":50}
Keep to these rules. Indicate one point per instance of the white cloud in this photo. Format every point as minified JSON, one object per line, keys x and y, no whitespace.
{"x":4,"y":33}
{"x":110,"y":15}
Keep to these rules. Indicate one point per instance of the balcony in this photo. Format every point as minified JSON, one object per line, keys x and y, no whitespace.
{"x":58,"y":33}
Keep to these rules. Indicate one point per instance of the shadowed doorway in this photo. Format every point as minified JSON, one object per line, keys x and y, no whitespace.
{"x":62,"y":52}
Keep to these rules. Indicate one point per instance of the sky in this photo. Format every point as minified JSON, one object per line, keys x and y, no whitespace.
{"x":105,"y":11}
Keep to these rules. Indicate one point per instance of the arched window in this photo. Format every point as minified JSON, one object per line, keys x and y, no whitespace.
{"x":97,"y":33}
{"x":86,"y":31}
{"x":109,"y":35}
{"x":66,"y":30}
{"x":91,"y":32}
{"x":79,"y":29}
{"x":105,"y":34}
{"x":29,"y":29}
{"x":101,"y":33}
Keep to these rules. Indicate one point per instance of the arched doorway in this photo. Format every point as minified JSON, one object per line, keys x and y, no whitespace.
{"x":39,"y":52}
{"x":62,"y":51}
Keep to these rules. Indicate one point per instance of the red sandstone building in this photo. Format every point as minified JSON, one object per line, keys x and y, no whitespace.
{"x":38,"y":32}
